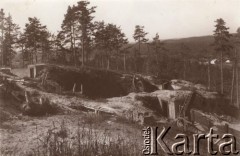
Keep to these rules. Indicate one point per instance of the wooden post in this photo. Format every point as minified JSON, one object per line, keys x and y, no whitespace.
{"x":40,"y":100}
{"x":74,"y":88}
{"x":81,"y":89}
{"x":26,"y":97}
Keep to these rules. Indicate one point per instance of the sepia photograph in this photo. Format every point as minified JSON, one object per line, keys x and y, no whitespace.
{"x":119,"y":77}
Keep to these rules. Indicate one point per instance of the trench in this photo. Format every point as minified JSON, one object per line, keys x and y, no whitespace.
{"x":95,"y":83}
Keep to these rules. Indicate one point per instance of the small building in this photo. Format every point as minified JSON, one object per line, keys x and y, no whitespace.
{"x":35,"y":69}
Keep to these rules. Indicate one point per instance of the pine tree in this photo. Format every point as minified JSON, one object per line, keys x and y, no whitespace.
{"x":51,"y":47}
{"x":36,"y":35}
{"x":140,"y":37}
{"x":69,"y":35}
{"x":45,"y":45}
{"x":204,"y":57}
{"x":109,"y":38}
{"x":222,"y":43}
{"x":84,"y":17}
{"x":237,"y":67}
{"x":116,"y":39}
{"x":125,"y":50}
{"x":158,"y":47}
{"x":100,"y":41}
{"x":2,"y":29}
{"x":77,"y":31}
{"x":10,"y":41}
{"x":21,"y":45}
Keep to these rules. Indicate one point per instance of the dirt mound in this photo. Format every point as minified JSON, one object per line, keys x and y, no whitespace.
{"x":94,"y":82}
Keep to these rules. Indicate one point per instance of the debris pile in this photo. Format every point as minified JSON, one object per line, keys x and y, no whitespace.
{"x":134,"y":97}
{"x":31,"y":101}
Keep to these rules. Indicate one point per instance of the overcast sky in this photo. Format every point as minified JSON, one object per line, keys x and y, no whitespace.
{"x":170,"y":18}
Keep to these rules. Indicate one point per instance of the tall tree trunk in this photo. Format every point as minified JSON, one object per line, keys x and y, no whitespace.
{"x":117,"y":65}
{"x":138,"y":55}
{"x":22,"y":56}
{"x":209,"y":76}
{"x":74,"y":53}
{"x":35,"y":53}
{"x":184,"y":69}
{"x":221,"y":72}
{"x":2,"y":43}
{"x":82,"y":52}
{"x":31,"y":57}
{"x":108,"y":63}
{"x":73,"y":46}
{"x":232,"y":86}
{"x":102,"y":61}
{"x":139,"y":46}
{"x":86,"y":55}
{"x":124,"y":62}
{"x":36,"y":60}
{"x":10,"y":51}
{"x":237,"y":79}
{"x":157,"y":59}
{"x":148,"y":60}
{"x":43,"y":57}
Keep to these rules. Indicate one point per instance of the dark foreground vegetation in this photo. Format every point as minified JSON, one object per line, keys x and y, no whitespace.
{"x":88,"y":141}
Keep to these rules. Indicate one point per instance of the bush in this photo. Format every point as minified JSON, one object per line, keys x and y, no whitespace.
{"x":86,"y":142}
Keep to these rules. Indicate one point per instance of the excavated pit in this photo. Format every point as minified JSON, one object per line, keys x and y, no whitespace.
{"x":94,"y":83}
